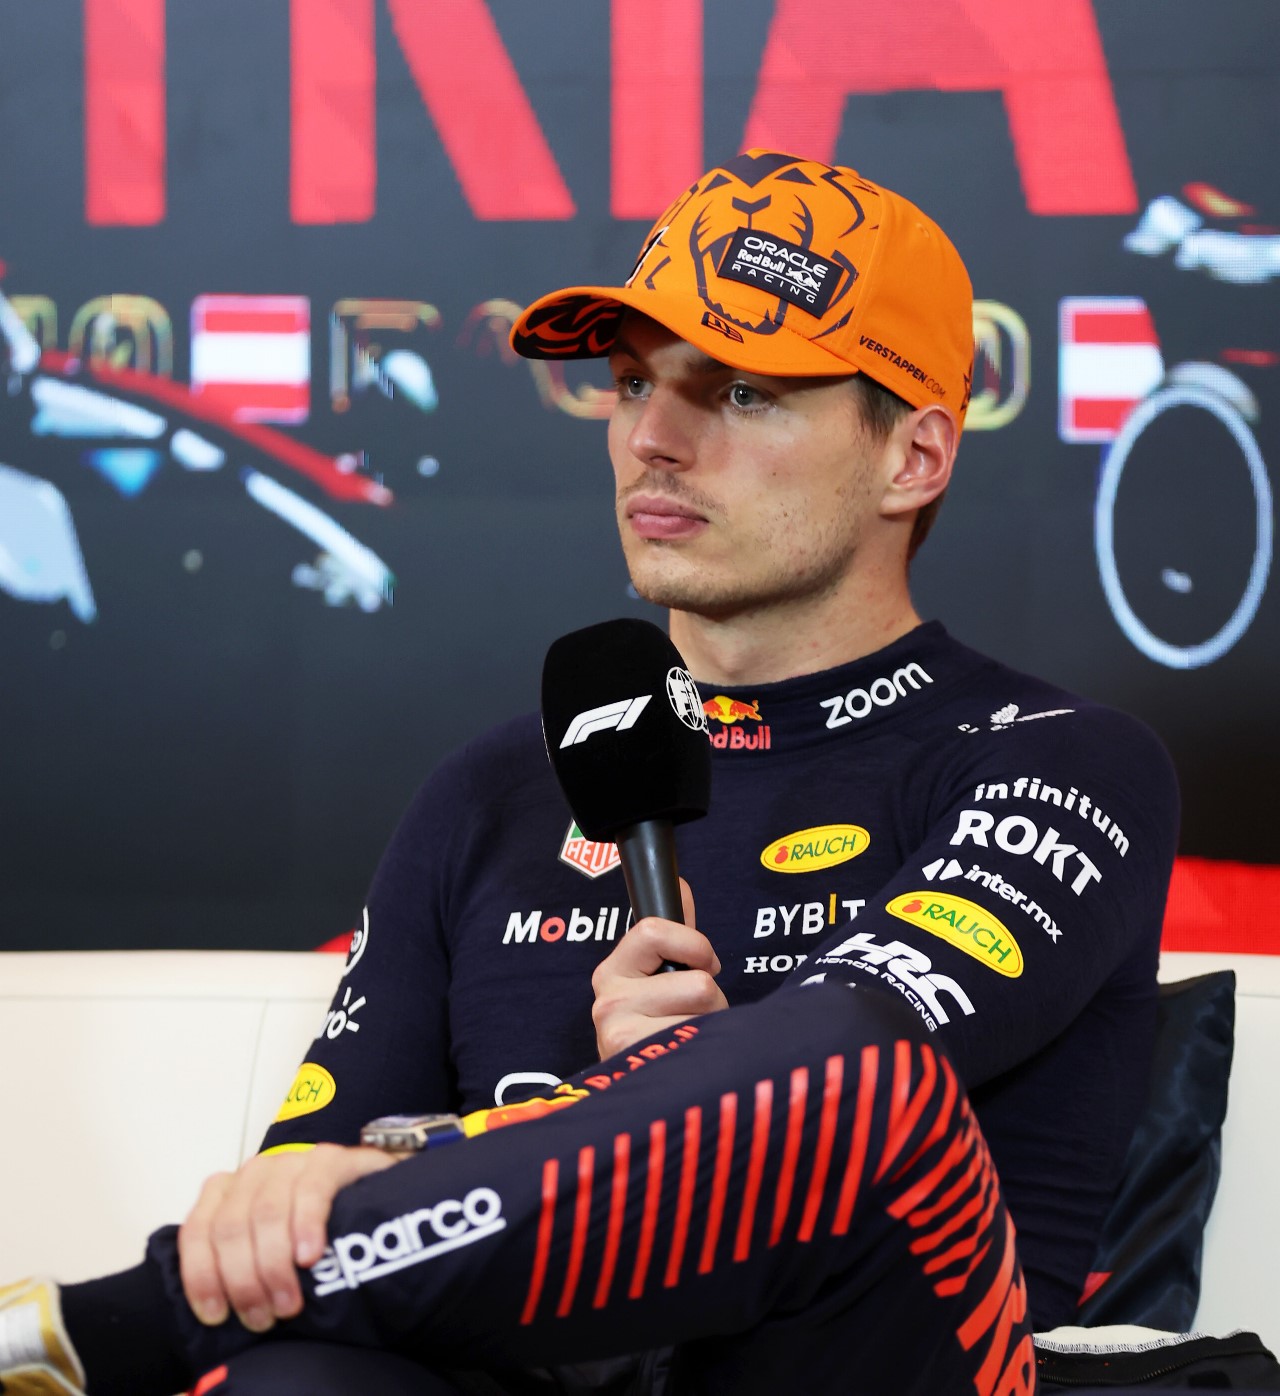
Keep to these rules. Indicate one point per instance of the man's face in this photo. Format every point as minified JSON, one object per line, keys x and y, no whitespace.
{"x":735,"y":491}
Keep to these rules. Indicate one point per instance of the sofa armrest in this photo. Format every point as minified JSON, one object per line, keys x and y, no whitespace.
{"x":130,"y":1076}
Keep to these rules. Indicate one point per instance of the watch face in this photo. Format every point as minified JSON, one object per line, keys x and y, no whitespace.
{"x":409,"y":1133}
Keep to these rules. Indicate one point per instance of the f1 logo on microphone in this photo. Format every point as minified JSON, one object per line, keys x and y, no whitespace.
{"x":619,"y":716}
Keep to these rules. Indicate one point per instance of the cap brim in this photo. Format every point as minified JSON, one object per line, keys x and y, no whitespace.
{"x":582,"y":322}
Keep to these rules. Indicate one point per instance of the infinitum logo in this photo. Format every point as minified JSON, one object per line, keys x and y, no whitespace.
{"x":356,"y":1259}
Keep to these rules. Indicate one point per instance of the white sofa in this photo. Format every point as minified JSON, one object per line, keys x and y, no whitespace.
{"x":129,"y":1076}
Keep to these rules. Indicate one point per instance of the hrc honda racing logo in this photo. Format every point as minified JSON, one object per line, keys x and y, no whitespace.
{"x":904,"y":968}
{"x":356,"y":1259}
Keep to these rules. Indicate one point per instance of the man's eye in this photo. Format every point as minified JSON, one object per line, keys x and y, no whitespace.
{"x":629,"y":385}
{"x":743,"y":396}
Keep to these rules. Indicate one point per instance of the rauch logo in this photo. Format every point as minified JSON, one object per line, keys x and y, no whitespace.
{"x":965,"y":925}
{"x":313,"y":1088}
{"x":807,"y":850}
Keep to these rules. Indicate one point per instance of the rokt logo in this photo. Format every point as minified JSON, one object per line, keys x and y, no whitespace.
{"x":1019,"y":835}
{"x":883,"y":693}
{"x":588,"y":857}
{"x":807,"y":850}
{"x":356,"y":1259}
{"x":313,"y":1088}
{"x":965,"y":925}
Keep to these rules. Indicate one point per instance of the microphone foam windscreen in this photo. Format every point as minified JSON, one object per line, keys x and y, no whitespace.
{"x":624,"y":727}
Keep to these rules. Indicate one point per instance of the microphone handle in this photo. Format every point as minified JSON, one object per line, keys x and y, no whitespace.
{"x":648,"y":853}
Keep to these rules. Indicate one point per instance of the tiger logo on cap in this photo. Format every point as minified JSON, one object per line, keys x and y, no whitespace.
{"x":779,"y":265}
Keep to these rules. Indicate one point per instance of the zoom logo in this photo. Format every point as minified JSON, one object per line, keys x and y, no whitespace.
{"x":356,"y":1259}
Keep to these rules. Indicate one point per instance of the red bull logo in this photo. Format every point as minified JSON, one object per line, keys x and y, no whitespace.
{"x":482,"y":1121}
{"x":729,"y":712}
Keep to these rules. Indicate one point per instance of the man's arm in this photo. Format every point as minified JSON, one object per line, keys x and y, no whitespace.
{"x":382,"y":1047}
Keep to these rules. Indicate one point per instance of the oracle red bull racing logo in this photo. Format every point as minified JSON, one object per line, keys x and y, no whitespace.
{"x":729,"y":713}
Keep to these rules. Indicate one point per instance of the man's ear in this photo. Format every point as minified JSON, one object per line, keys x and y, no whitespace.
{"x":923,"y":447}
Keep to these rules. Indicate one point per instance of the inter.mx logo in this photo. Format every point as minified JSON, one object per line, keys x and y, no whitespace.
{"x":356,"y":1259}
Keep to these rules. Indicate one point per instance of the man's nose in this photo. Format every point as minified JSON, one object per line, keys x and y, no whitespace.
{"x":662,"y":434}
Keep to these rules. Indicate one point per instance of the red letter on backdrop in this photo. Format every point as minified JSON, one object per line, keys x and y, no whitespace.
{"x":1044,"y":55}
{"x":124,"y":115}
{"x":657,"y":103}
{"x":468,"y":83}
{"x":486,"y":124}
{"x":334,"y":167}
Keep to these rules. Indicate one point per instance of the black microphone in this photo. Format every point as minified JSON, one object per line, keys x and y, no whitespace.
{"x":627,"y":737}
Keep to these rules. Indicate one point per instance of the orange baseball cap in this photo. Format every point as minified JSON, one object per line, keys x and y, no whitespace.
{"x":778,"y":265}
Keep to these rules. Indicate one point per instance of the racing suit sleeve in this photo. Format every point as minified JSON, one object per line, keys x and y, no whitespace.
{"x":383,"y":1045}
{"x":1043,"y":874}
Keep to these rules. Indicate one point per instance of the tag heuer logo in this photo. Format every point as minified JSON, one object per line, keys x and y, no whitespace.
{"x":591,"y":859}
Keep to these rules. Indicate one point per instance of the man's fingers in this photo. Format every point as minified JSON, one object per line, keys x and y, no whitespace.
{"x":329,"y":1170}
{"x":196,"y":1261}
{"x":627,"y":1009}
{"x":312,"y":1201}
{"x":641,"y":952}
{"x":686,"y":901}
{"x":272,"y":1242}
{"x":233,"y":1244}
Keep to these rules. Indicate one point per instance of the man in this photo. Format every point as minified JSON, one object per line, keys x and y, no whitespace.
{"x":918,"y":864}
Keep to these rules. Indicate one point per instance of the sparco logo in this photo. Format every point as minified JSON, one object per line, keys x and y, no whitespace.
{"x":355,"y":1259}
{"x":883,"y":693}
{"x":619,"y":716}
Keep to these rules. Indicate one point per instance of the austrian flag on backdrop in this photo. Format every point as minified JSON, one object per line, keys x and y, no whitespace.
{"x":1109,"y":360}
{"x":252,"y":355}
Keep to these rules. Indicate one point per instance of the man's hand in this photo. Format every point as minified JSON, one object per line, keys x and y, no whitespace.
{"x":249,"y":1229}
{"x":633,"y":999}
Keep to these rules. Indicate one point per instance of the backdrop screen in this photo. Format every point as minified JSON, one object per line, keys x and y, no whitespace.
{"x":282,"y":520}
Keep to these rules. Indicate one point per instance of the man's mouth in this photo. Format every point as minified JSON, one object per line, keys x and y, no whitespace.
{"x":659,"y":518}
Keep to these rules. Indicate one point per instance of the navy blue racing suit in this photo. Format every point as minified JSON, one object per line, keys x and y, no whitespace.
{"x":922,"y":859}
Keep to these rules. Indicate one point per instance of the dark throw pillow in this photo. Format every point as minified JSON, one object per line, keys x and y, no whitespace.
{"x":1153,"y":1238}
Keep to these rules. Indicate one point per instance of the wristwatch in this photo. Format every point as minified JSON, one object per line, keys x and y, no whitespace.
{"x":409,"y":1134}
